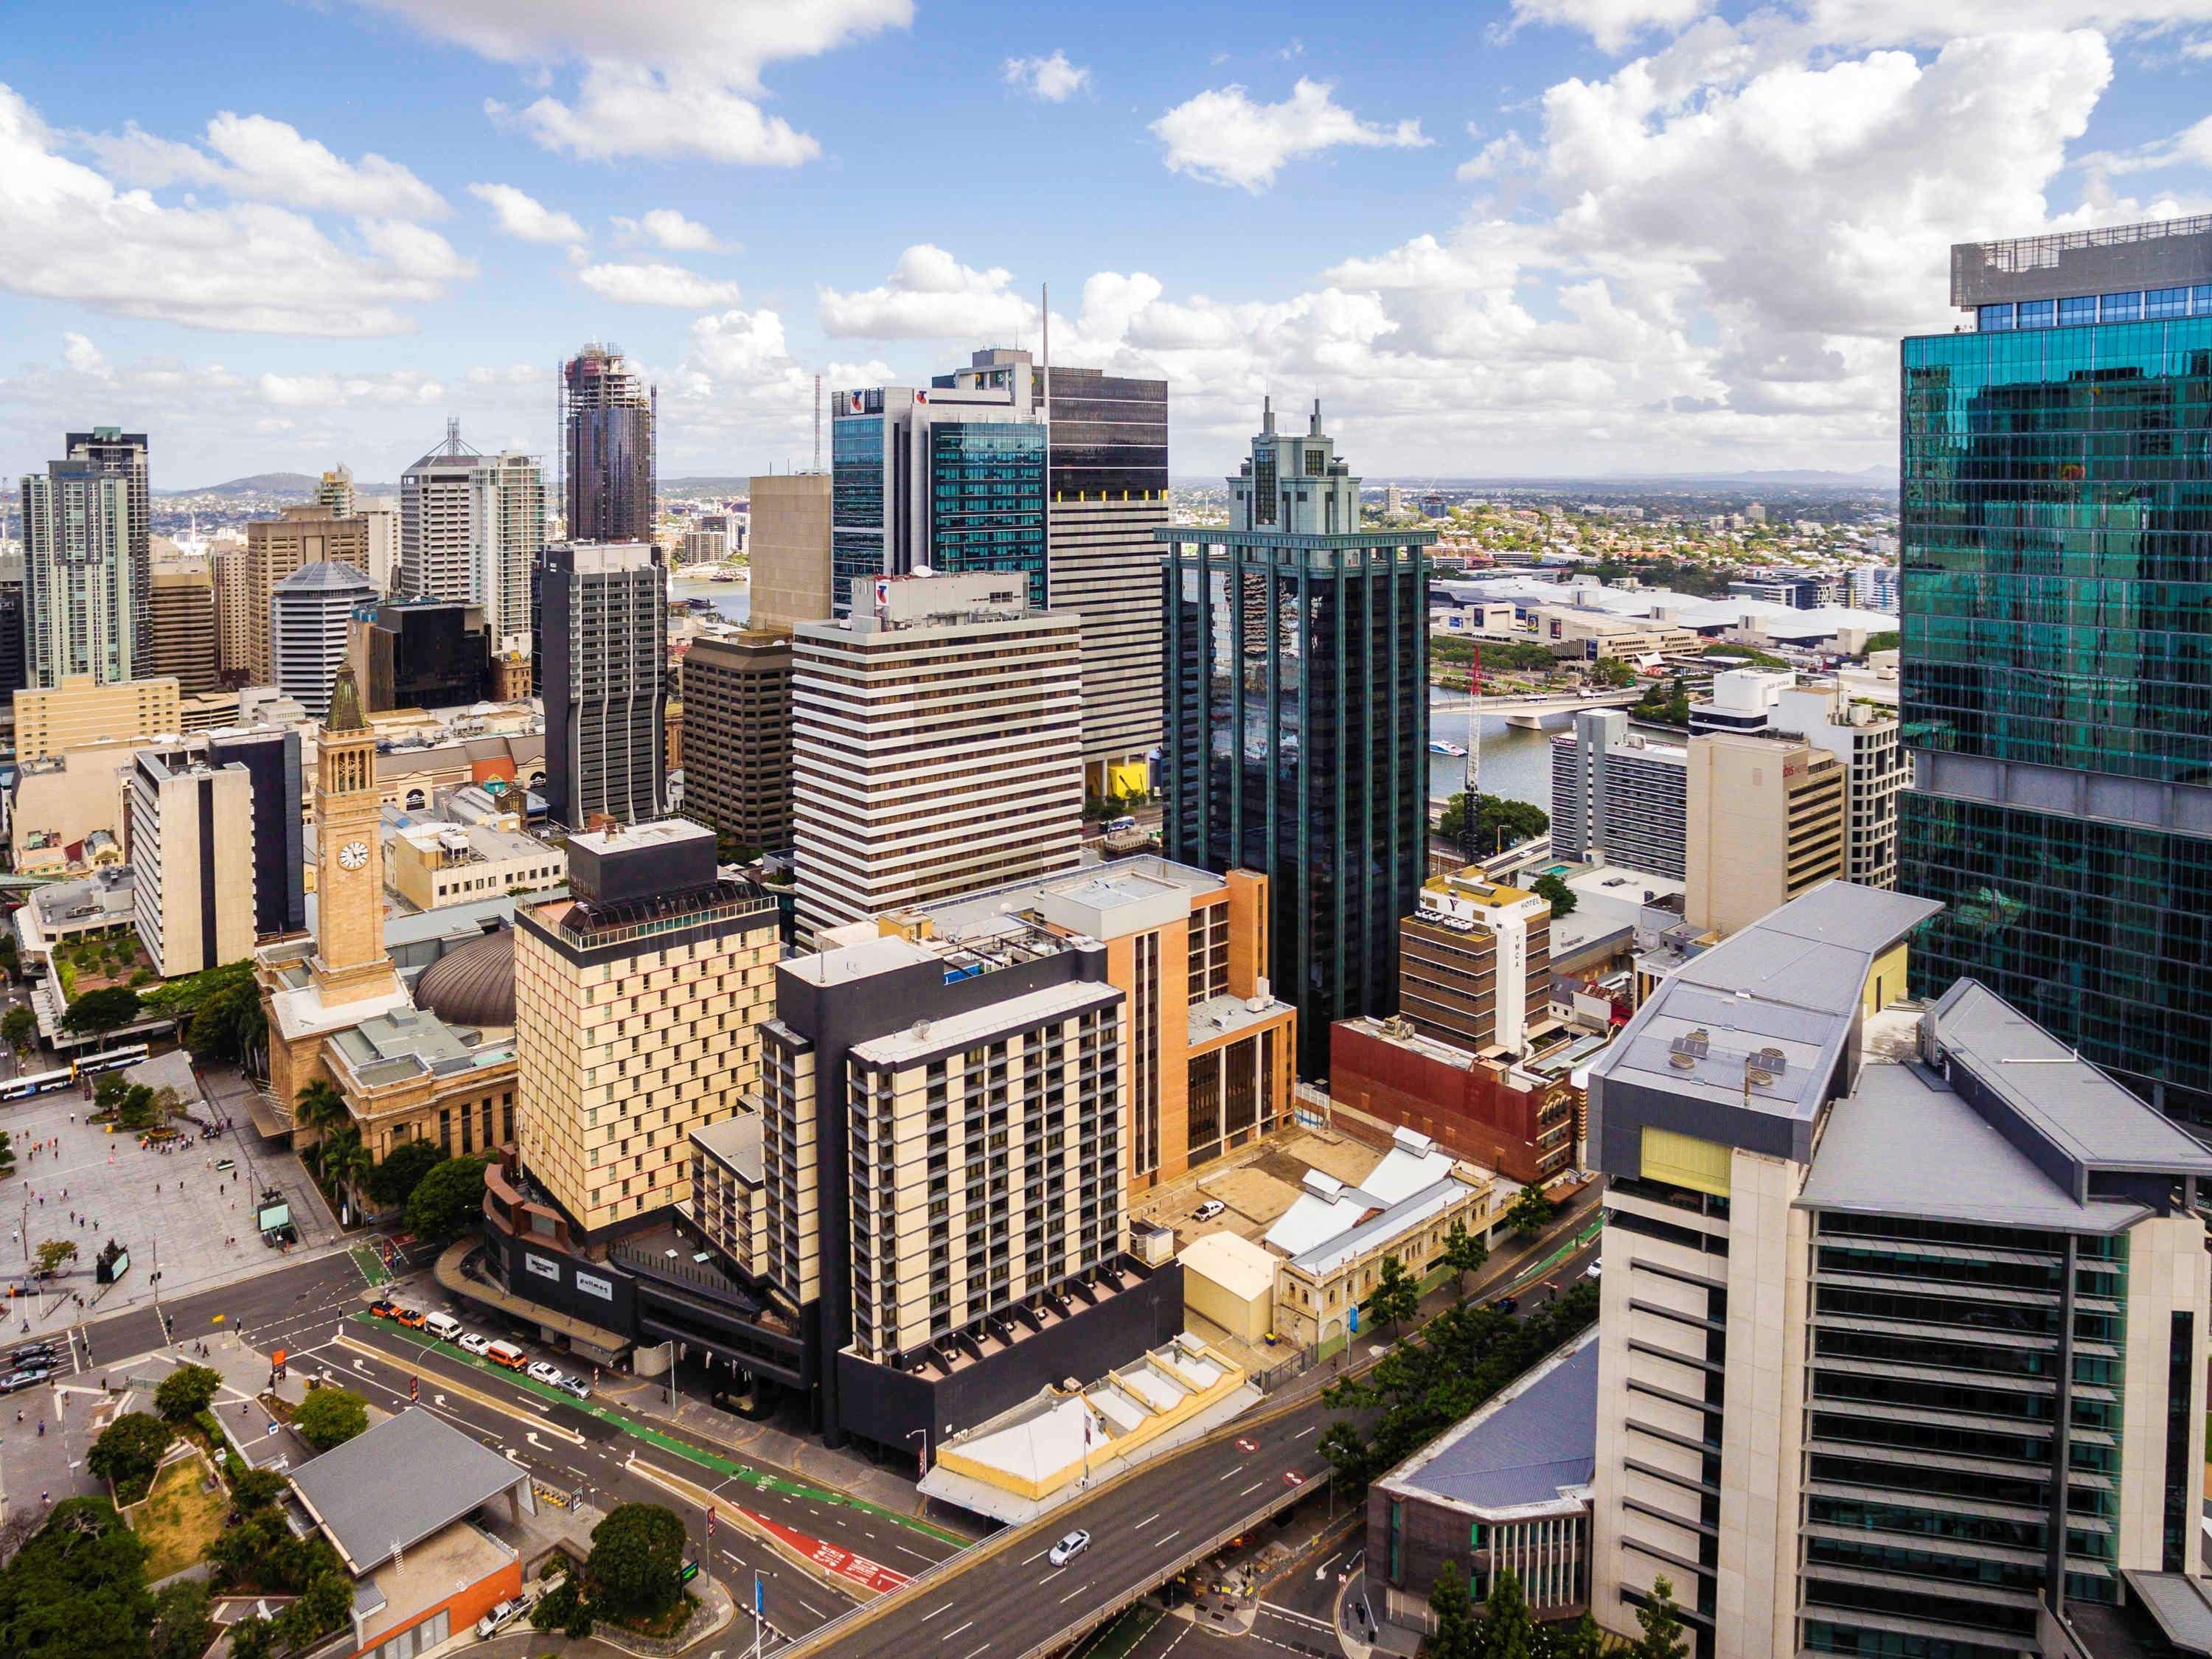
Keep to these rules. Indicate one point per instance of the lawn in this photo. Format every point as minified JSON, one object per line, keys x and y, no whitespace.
{"x":179,"y":1520}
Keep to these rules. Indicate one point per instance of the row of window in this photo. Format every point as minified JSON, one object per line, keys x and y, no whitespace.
{"x":2135,"y":306}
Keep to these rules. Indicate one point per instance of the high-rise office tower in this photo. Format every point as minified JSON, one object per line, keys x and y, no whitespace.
{"x":1767,"y":821}
{"x":471,"y":525}
{"x":2057,"y":662}
{"x":1475,"y":963}
{"x":936,"y":746}
{"x":310,"y":622}
{"x":87,"y":568}
{"x":789,"y":544}
{"x":604,"y":653}
{"x":422,"y":654}
{"x":1297,"y":720}
{"x":274,"y":549}
{"x":638,"y":1002}
{"x":334,"y":492}
{"x":192,"y":825}
{"x":1618,"y":794}
{"x":988,"y":468}
{"x":14,"y":665}
{"x":607,"y":416}
{"x":270,"y":756}
{"x":183,"y":627}
{"x":737,"y":724}
{"x":228,"y":563}
{"x":1900,"y":1338}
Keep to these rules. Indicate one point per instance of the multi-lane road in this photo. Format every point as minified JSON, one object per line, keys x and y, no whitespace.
{"x":314,"y":1310}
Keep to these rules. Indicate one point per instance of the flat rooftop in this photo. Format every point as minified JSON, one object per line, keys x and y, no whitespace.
{"x":397,"y":1483}
{"x":1535,"y":1445}
{"x":1109,"y":899}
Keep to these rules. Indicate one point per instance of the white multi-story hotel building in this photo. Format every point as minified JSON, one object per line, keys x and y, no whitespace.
{"x":471,"y":525}
{"x":937,"y":745}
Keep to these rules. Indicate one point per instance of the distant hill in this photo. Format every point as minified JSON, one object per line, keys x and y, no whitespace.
{"x":260,"y":484}
{"x":706,"y":486}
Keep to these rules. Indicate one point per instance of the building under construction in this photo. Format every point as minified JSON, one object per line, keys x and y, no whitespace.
{"x":607,"y":419}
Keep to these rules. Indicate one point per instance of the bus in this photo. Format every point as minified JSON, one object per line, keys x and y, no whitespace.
{"x":35,"y":1083}
{"x":114,"y":1060}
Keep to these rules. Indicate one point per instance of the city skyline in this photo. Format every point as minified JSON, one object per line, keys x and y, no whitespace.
{"x":1715,"y":222}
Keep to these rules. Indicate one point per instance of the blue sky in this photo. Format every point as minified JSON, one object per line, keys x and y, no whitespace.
{"x":1542,"y":236}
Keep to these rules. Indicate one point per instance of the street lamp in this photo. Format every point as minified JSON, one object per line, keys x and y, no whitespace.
{"x":924,"y":1432}
{"x":760,"y":1609}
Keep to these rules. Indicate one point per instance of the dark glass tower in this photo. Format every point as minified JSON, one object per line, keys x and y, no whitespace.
{"x":603,"y":611}
{"x":2056,"y":604}
{"x":1297,"y":721}
{"x":606,"y":437}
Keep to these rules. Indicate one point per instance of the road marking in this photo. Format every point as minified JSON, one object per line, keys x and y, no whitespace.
{"x":956,"y":1630}
{"x":1039,"y":1556}
{"x":972,"y":1656}
{"x":1227,"y":1474}
{"x":903,"y":1550}
{"x":1050,"y":1577}
{"x":926,"y":1616}
{"x":1306,"y":1430}
{"x":1254,"y":1487}
{"x":1170,"y":1537}
{"x":1072,"y":1594}
{"x":1139,"y":1527}
{"x":1301,"y":1617}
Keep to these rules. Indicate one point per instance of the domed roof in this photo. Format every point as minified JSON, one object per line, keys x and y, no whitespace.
{"x":474,"y":985}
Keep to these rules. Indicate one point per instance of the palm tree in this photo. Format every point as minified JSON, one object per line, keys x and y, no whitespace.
{"x":346,"y":1161}
{"x":321,"y":1107}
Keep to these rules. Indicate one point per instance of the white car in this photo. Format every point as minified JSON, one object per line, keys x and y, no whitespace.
{"x":470,"y":1342}
{"x":1594,"y":1270}
{"x":1069,"y":1547}
{"x":542,"y":1372}
{"x":1208,"y":1210}
{"x":498,"y":1619}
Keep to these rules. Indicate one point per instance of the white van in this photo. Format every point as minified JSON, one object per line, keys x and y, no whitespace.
{"x":444,"y":1327}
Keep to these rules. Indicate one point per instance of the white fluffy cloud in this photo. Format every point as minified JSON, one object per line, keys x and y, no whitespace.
{"x":254,"y":158}
{"x":251,"y":266}
{"x":1226,"y":138}
{"x":656,"y":285}
{"x":1052,"y":80}
{"x":930,"y":296}
{"x":657,"y":77}
{"x":1611,"y":23}
{"x":526,"y":218}
{"x":669,"y":229}
{"x":401,"y":388}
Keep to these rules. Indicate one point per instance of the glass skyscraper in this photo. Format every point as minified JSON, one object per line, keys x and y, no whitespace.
{"x":1297,"y":721}
{"x":2056,"y":622}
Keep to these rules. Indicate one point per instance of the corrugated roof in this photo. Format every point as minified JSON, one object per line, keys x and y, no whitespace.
{"x":394,"y":1484}
{"x":1523,"y":1447}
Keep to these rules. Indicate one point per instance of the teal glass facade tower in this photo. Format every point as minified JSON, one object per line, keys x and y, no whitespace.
{"x":1297,"y":721}
{"x":2056,"y":622}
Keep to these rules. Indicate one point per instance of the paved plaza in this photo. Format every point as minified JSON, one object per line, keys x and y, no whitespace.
{"x":171,"y":1210}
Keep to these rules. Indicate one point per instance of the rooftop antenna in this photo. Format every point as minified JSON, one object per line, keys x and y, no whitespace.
{"x":818,"y":422}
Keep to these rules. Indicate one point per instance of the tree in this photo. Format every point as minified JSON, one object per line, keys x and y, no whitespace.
{"x":1464,"y":1254}
{"x":128,"y":1450}
{"x":1531,"y":1212}
{"x":1395,"y":1297}
{"x":331,"y":1416}
{"x":320,"y":1108}
{"x":1509,"y":1630}
{"x":392,"y":1183}
{"x":322,"y":1607}
{"x":182,"y":1628}
{"x":1612,"y":674}
{"x":1888,"y":639}
{"x":257,"y":1490}
{"x":1580,"y":1640}
{"x":636,"y":1561}
{"x":343,"y":1160}
{"x":252,"y":1637}
{"x":19,"y":1027}
{"x":102,"y":1011}
{"x":1458,"y":1634}
{"x":136,"y":1109}
{"x":78,"y":1589}
{"x":1499,"y":823}
{"x":447,"y":1199}
{"x":1661,"y":1625}
{"x":53,"y":1252}
{"x":186,"y":1392}
{"x":7,"y":1154}
{"x":1555,"y":893}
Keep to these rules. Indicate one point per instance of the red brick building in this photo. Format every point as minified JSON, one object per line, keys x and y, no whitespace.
{"x":1477,"y":1108}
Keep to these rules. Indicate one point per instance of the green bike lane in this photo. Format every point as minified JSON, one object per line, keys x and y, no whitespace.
{"x":675,"y":1445}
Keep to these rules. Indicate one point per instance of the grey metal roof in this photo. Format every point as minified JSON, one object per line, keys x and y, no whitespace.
{"x":394,"y":1484}
{"x":326,"y":574}
{"x":1903,"y":1144}
{"x":2068,"y":1102}
{"x":1521,"y":1448}
{"x":2178,"y":1604}
{"x":1865,"y":919}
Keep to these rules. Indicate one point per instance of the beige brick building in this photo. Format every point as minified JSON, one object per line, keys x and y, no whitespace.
{"x":788,"y":545}
{"x":638,"y":1004}
{"x":191,"y":849}
{"x":1766,"y":822}
{"x":274,"y":549}
{"x":81,"y":710}
{"x":183,"y":627}
{"x":736,"y":703}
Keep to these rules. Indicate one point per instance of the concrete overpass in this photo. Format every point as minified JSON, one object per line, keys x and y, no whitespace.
{"x":1529,"y":713}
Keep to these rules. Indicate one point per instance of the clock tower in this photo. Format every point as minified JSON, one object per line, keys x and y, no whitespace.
{"x":349,"y":962}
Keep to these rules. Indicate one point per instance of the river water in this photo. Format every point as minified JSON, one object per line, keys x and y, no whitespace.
{"x":1515,"y":764}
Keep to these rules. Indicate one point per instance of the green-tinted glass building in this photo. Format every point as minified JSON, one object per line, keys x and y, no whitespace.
{"x":2057,"y":601}
{"x":1297,"y":721}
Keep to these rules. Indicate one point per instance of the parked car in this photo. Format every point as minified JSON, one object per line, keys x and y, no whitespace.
{"x":470,"y":1342}
{"x":29,"y":1377}
{"x":1069,"y":1547}
{"x":499,"y":1619}
{"x":538,"y":1370}
{"x":574,"y":1385}
{"x":384,"y":1308}
{"x":1593,"y":1270}
{"x":1506,"y":1304}
{"x":411,"y":1317}
{"x":1208,"y":1210}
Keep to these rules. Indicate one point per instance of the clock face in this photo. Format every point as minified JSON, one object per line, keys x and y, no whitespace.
{"x":353,"y":855}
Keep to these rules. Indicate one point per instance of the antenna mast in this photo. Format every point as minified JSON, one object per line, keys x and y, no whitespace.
{"x":818,"y":422}
{"x":561,"y":447}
